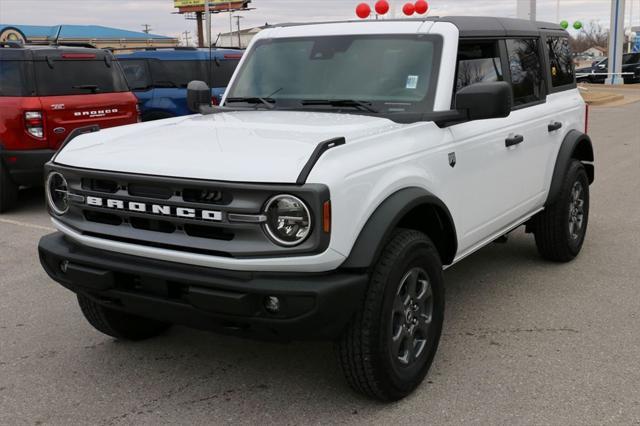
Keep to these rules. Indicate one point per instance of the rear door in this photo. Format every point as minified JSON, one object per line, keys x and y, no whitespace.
{"x":500,"y":162}
{"x":81,"y":89}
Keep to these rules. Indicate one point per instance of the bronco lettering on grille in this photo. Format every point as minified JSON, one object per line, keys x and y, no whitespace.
{"x":154,"y":209}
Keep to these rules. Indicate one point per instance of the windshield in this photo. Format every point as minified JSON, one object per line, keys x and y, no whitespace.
{"x":377,"y":74}
{"x":81,"y":77}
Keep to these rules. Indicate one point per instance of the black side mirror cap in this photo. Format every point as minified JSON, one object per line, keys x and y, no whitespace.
{"x":482,"y":101}
{"x":198,"y":95}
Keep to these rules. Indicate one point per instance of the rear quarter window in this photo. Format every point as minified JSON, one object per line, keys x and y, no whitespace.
{"x":11,"y":78}
{"x":78,"y":77}
{"x":527,"y":78}
{"x":560,"y":61}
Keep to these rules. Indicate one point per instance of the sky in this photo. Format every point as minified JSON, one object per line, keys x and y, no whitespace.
{"x":159,"y":14}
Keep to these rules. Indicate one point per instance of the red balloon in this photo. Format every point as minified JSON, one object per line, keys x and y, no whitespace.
{"x":363,"y":11}
{"x":421,"y":7}
{"x":408,"y":9}
{"x":382,"y":7}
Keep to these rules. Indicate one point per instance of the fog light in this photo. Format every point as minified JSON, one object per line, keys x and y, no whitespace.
{"x":64,"y":265}
{"x":272,"y":304}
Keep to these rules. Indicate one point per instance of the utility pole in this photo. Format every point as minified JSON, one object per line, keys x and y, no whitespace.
{"x":230,"y":26}
{"x":238,"y":17}
{"x":558,"y":12}
{"x":147,"y":28}
{"x":187,"y":37}
{"x":616,"y":40}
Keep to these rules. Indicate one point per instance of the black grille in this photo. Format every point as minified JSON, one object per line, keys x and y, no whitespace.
{"x":161,"y":222}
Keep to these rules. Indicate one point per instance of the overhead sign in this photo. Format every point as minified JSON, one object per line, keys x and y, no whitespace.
{"x":200,"y":3}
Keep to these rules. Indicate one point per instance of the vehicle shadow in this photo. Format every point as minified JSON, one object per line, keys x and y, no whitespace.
{"x":193,"y":370}
{"x":30,"y":200}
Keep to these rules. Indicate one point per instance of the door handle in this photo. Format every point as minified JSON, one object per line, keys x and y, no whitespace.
{"x":514,"y":140}
{"x":554,"y":126}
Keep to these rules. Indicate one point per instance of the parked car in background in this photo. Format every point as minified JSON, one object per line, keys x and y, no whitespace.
{"x":597,"y":72}
{"x":159,"y":78}
{"x":46,"y":93}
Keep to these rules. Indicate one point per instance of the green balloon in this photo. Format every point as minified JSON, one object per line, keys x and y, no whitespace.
{"x":577,"y":25}
{"x":564,"y":24}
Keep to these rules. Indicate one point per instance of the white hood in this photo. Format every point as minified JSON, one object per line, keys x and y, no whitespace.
{"x":241,"y":146}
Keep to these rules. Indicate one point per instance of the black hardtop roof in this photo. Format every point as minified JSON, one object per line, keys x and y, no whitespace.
{"x":42,"y":51}
{"x":471,"y":26}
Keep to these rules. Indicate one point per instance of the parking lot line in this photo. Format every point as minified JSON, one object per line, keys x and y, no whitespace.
{"x":27,"y":225}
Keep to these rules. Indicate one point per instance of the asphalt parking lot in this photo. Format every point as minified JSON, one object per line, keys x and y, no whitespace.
{"x":525,"y":341}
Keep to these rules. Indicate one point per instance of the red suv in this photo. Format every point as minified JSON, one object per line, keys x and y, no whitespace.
{"x":46,"y":92}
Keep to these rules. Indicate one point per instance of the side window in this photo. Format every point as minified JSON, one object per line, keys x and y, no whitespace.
{"x":11,"y":83}
{"x":527,"y":77}
{"x":136,"y":73}
{"x":177,"y":74}
{"x":560,"y":61}
{"x":478,"y":62}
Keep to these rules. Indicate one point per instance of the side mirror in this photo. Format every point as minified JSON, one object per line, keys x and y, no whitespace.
{"x":482,"y":101}
{"x":198,"y":95}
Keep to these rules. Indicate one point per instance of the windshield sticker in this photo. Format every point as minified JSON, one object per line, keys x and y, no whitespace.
{"x":412,"y":81}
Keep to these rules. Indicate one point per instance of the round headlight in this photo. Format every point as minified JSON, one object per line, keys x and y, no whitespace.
{"x":57,"y":193}
{"x":288,"y":220}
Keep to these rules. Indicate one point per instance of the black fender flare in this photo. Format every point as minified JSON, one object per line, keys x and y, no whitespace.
{"x":576,"y":145}
{"x":380,"y":225}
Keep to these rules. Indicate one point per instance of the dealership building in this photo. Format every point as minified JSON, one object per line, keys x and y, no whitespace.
{"x":102,"y":37}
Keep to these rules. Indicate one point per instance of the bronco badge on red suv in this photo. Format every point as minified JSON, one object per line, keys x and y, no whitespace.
{"x":46,"y":92}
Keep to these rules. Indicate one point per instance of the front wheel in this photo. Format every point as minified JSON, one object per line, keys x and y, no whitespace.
{"x":560,"y":229}
{"x":388,"y":347}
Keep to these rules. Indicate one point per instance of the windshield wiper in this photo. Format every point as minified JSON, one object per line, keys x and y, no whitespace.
{"x":268,"y":102}
{"x":91,"y":87}
{"x":342,"y":103}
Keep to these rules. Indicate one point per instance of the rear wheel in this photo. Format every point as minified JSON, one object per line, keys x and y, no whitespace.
{"x":8,"y":190}
{"x":387,"y":349}
{"x":118,"y":324}
{"x":560,"y":229}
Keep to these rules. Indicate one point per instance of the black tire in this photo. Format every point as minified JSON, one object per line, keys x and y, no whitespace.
{"x":8,"y":190}
{"x":560,"y":229}
{"x":366,"y":351}
{"x":118,"y":324}
{"x":156,"y":115}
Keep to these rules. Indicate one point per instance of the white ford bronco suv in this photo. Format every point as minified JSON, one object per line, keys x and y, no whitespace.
{"x":349,"y":163}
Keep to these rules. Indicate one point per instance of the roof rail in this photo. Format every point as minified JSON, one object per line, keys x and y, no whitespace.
{"x":11,"y":44}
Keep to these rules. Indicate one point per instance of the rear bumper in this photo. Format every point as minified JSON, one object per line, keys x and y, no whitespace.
{"x":26,"y":167}
{"x":313,"y":306}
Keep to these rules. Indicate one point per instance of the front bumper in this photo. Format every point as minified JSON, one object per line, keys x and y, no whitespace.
{"x":27,"y":167}
{"x":313,"y":305}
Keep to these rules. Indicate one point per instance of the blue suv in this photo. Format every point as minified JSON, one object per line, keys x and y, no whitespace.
{"x":159,"y":77}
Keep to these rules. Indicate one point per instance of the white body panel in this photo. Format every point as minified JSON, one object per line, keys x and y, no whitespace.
{"x":490,"y":190}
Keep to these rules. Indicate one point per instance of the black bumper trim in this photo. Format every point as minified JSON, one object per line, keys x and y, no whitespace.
{"x":313,"y":306}
{"x":27,"y":167}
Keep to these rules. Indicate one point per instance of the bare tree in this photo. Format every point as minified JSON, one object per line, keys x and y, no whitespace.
{"x":592,"y":35}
